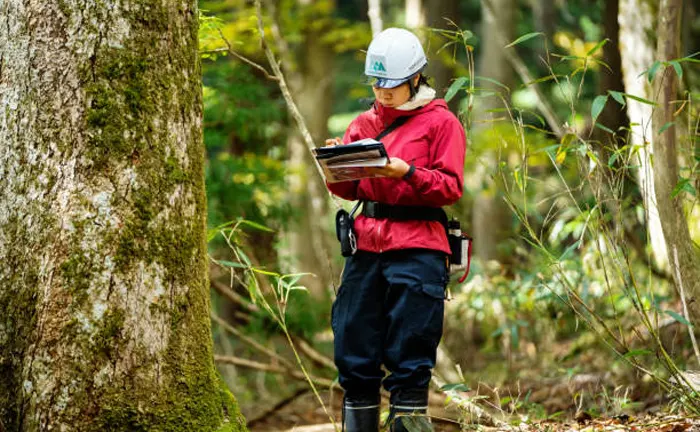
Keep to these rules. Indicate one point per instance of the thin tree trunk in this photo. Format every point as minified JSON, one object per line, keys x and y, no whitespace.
{"x":683,"y":254}
{"x":374,"y":12}
{"x":103,"y":272}
{"x":636,"y":19}
{"x":311,"y":246}
{"x":491,"y":216}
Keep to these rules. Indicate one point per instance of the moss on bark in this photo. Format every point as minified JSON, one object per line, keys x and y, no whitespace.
{"x":138,"y":228}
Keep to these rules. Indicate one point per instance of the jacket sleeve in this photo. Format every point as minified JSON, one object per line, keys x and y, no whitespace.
{"x":442,"y":183}
{"x":347,"y":189}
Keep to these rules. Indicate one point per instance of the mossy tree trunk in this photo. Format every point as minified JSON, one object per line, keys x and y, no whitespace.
{"x":103,"y":271}
{"x":683,"y":254}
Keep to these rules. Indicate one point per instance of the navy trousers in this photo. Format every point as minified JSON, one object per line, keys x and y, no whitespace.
{"x":389,"y":310}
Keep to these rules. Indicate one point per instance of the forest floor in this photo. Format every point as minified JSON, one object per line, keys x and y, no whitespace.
{"x":587,"y":392}
{"x":303,"y":413}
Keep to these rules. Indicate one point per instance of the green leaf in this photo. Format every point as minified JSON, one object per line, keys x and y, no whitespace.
{"x":684,"y":185}
{"x":619,"y":97}
{"x":493,"y":81}
{"x":639,"y":99}
{"x":265,"y":272}
{"x":455,"y":387}
{"x":678,"y":68}
{"x":230,"y":264}
{"x":523,"y":38}
{"x":569,"y":250}
{"x":543,"y":79}
{"x":678,"y":317}
{"x":666,"y":126}
{"x":255,"y":225}
{"x":651,"y":72}
{"x":598,"y":46}
{"x":613,"y":158}
{"x":454,"y":88}
{"x":606,"y":129}
{"x":637,"y":353}
{"x":567,"y":139}
{"x":597,"y":106}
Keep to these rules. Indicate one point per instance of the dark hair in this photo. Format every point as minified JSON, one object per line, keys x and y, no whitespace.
{"x":423,"y":80}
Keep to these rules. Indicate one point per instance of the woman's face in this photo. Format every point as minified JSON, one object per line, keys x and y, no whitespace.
{"x":394,"y":97}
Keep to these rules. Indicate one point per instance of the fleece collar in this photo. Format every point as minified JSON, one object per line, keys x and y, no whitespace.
{"x":423,"y":97}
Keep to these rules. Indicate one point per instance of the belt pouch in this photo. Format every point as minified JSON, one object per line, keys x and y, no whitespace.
{"x":345,"y":232}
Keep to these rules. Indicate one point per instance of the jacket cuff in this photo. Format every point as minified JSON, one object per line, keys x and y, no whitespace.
{"x":409,"y":174}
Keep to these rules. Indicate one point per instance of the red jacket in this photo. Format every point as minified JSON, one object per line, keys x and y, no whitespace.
{"x":433,"y":140}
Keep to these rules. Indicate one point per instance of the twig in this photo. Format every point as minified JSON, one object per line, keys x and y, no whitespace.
{"x":676,"y":268}
{"x":276,"y":407}
{"x":324,"y":382}
{"x":314,"y":355}
{"x":291,"y":105}
{"x":245,"y":59}
{"x":235,"y":298}
{"x":229,"y":328}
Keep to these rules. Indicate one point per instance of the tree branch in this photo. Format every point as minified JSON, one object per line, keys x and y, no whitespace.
{"x":324,"y":382}
{"x":226,"y":326}
{"x":291,"y":105}
{"x":244,"y":59}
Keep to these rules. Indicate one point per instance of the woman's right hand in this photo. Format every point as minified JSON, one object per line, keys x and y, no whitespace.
{"x":333,"y":141}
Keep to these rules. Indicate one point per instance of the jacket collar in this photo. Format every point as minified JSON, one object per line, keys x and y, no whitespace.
{"x":388,"y":115}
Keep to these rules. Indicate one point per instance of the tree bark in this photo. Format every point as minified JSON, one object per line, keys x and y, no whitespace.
{"x":103,"y":271}
{"x":636,"y":19}
{"x":683,"y":254}
{"x":491,"y":216}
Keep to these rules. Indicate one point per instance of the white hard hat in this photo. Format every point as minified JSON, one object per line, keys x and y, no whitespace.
{"x":393,"y":57}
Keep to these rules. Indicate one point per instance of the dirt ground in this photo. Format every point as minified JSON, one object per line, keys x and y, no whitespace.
{"x":303,"y":413}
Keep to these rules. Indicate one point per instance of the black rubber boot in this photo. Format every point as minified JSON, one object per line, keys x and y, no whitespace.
{"x":361,"y":415}
{"x":409,"y":411}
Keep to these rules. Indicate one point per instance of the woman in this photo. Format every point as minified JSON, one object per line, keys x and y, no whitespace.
{"x":389,"y":308}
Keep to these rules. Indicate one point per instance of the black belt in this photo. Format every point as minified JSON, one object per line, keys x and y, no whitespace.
{"x":377,"y":210}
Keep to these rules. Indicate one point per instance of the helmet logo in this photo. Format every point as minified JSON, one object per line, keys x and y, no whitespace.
{"x":378,"y":67}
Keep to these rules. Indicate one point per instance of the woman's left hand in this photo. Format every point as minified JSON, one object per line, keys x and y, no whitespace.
{"x":396,"y":168}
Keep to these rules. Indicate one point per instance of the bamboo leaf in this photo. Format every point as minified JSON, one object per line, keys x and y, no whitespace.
{"x":606,"y":129}
{"x":524,"y":38}
{"x":598,"y":46}
{"x":265,"y":272}
{"x":665,"y":127}
{"x":569,"y":250}
{"x":637,"y":353}
{"x":678,"y":317}
{"x":597,"y":106}
{"x":639,"y":99}
{"x":651,"y":72}
{"x":455,"y":387}
{"x":230,"y":264}
{"x":678,"y":68}
{"x":683,"y":185}
{"x":619,"y":97}
{"x":255,"y":225}
{"x":454,"y":88}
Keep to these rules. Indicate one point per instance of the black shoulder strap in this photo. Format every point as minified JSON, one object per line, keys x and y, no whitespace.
{"x":398,"y":122}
